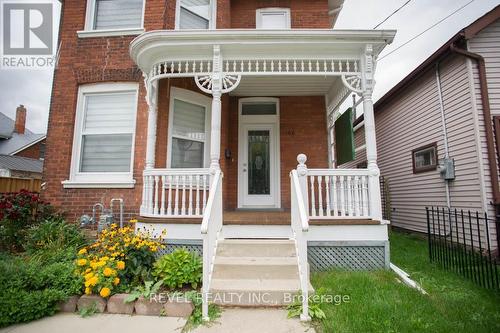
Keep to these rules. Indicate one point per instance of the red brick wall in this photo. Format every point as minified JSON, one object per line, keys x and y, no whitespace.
{"x":32,"y":151}
{"x":92,"y":60}
{"x":311,"y":14}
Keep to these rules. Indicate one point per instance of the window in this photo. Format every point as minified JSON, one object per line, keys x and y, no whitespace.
{"x":425,"y":158}
{"x":104,"y":135}
{"x":195,"y":14}
{"x":113,"y":17}
{"x":189,"y":129}
{"x":42,"y":151}
{"x":273,"y":18}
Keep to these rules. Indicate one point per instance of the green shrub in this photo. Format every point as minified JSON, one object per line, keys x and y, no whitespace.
{"x":18,"y":212}
{"x":32,"y":288}
{"x":178,"y":269}
{"x":53,"y":234}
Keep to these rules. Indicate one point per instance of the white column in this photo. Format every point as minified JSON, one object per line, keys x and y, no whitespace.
{"x":152,"y":100}
{"x":370,"y":137}
{"x":216,"y":111}
{"x":302,"y":173}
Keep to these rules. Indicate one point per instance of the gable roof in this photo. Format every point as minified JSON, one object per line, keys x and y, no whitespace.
{"x":19,"y":163}
{"x":12,"y":142}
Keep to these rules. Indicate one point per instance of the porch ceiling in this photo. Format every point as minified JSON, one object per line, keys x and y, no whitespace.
{"x":284,"y":85}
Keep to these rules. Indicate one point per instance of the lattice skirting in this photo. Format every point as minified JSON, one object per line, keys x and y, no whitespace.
{"x":191,"y":245}
{"x":348,"y":255}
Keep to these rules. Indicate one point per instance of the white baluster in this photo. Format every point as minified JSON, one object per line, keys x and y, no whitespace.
{"x":204,"y":193}
{"x":349,"y":195}
{"x":169,"y":200}
{"x":327,"y":192}
{"x":197,"y":211}
{"x":183,"y":207}
{"x":320,"y":196}
{"x":334,"y":191}
{"x":176,"y":205}
{"x":155,"y":209}
{"x":162,"y":207}
{"x":342,"y":196}
{"x":356,"y":196}
{"x":190,"y":208}
{"x":365,"y":195}
{"x":313,"y":203}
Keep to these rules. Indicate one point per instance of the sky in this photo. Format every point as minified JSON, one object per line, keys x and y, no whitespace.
{"x":32,"y":88}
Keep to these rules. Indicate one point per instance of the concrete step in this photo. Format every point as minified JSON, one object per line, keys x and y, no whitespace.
{"x":254,"y":292}
{"x":256,"y":248}
{"x":256,"y":268}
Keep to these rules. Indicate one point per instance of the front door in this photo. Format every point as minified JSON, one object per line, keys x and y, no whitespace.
{"x":258,"y":184}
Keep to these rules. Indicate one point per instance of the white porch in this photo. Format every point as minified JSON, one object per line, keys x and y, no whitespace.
{"x":265,"y":63}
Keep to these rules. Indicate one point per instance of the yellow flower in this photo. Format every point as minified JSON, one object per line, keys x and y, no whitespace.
{"x":93,"y":281}
{"x":81,"y":262}
{"x":88,"y":291}
{"x":108,"y":272}
{"x":105,"y":292}
{"x":133,"y":221}
{"x":82,"y":251}
{"x":88,"y":270}
{"x":116,"y":281}
{"x":88,"y":276}
{"x":120,"y":265}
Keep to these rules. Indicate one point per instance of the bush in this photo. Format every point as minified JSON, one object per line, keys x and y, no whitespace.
{"x":18,"y":212}
{"x":118,"y":260}
{"x":32,"y":288}
{"x":53,"y":234}
{"x":178,"y":269}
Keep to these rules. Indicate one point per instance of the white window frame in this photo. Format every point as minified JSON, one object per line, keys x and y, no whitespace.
{"x":192,"y":97}
{"x":212,"y":23}
{"x":99,"y":179}
{"x":89,"y":30}
{"x":260,"y":11}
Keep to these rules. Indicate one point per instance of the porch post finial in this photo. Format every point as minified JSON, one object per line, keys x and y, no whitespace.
{"x":216,"y":110}
{"x":302,"y":173}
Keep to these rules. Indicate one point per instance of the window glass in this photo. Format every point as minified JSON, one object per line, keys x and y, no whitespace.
{"x":425,"y":158}
{"x":117,"y":14}
{"x":194,"y":14}
{"x":251,"y":109}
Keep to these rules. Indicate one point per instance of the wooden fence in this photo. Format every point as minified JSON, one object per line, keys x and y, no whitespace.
{"x":16,"y":184}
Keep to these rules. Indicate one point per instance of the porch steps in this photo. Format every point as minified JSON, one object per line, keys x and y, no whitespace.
{"x":255,"y":273}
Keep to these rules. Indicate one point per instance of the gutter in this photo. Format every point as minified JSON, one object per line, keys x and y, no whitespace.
{"x":483,"y":86}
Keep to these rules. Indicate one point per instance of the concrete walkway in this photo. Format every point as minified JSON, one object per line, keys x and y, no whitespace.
{"x":99,"y":323}
{"x":242,"y":320}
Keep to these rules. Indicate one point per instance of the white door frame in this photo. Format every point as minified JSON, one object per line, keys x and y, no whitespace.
{"x":272,"y":121}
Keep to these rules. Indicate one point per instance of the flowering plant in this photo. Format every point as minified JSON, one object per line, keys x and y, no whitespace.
{"x":19,"y":211}
{"x":118,"y":258}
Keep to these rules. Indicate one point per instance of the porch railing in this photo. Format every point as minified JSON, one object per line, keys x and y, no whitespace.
{"x":174,"y":192}
{"x":211,"y":227}
{"x":300,"y":227}
{"x":338,"y":193}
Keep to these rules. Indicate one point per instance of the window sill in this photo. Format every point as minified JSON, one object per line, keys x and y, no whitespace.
{"x":109,"y":33}
{"x":101,"y":184}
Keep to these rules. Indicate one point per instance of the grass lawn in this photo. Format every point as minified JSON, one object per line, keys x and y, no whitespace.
{"x":379,"y":303}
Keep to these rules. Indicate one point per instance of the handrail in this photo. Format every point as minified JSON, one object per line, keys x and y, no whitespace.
{"x":189,"y":171}
{"x":338,"y":172}
{"x":300,"y":198}
{"x":210,"y":202}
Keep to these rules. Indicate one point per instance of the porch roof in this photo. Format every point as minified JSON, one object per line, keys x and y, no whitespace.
{"x":312,"y":44}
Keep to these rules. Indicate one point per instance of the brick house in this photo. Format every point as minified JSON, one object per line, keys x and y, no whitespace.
{"x":196,"y":113}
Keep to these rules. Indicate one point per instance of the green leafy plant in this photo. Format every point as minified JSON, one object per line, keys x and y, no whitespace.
{"x":178,"y":269}
{"x":196,"y":318}
{"x":145,"y":291}
{"x":53,"y":234}
{"x":295,"y":308}
{"x":88,"y":311}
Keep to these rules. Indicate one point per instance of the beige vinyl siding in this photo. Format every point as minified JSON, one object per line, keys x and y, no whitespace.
{"x":413,"y":119}
{"x":487,"y":44}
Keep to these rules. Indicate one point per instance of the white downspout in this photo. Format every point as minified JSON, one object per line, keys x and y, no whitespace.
{"x":445,"y":133}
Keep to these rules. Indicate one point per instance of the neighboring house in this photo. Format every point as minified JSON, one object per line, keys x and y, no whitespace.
{"x":21,"y":151}
{"x":195,"y":113}
{"x":415,"y":130}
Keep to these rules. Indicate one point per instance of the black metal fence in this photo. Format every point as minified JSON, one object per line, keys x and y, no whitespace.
{"x":460,"y":241}
{"x":386,"y":199}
